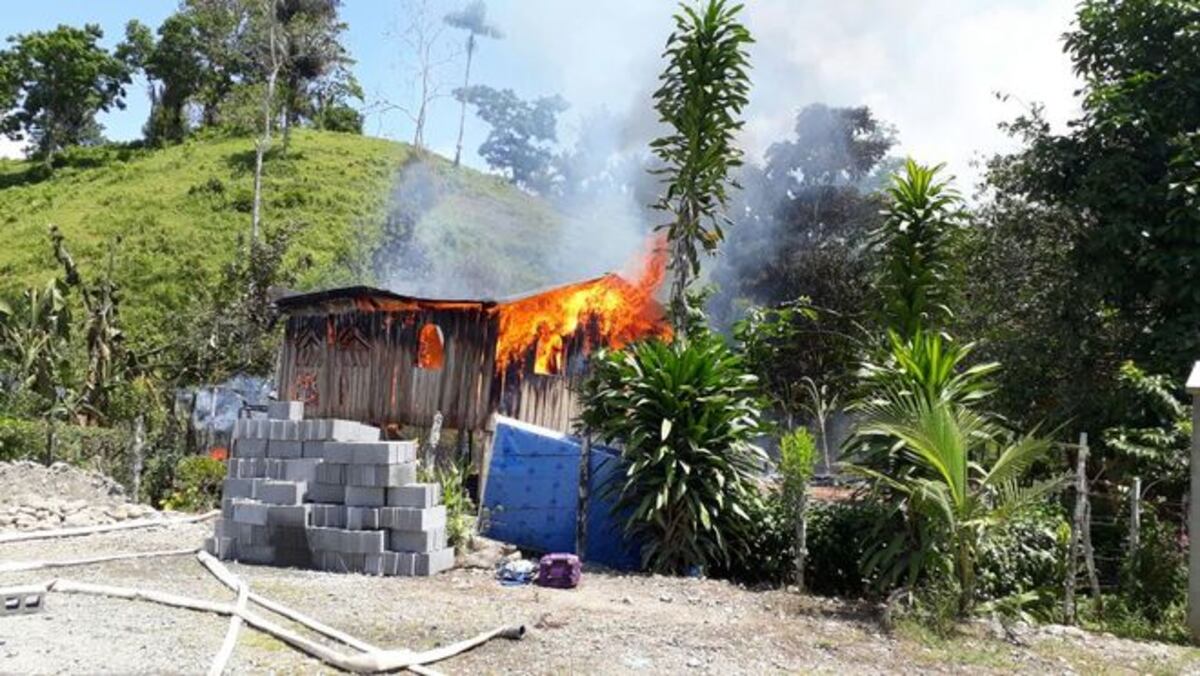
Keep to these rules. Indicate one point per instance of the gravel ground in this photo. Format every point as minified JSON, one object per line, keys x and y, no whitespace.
{"x":611,"y":624}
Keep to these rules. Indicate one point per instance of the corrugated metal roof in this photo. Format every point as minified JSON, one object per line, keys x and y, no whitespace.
{"x":361,"y":292}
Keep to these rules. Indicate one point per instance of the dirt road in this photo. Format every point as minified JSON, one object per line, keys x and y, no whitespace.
{"x":611,"y":624}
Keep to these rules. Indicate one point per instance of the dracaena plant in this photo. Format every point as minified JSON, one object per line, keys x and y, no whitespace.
{"x":701,"y":94}
{"x":962,"y":477}
{"x":685,"y":416}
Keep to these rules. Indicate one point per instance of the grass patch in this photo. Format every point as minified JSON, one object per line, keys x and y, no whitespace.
{"x":179,"y":212}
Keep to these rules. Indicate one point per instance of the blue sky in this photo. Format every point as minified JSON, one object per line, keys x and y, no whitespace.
{"x":930,"y":68}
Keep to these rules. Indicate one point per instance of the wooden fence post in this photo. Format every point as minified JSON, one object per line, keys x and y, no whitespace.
{"x":139,"y":443}
{"x":1077,"y":528}
{"x":1135,"y":515}
{"x":585,"y":480}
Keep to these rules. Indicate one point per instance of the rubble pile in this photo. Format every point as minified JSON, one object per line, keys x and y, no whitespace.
{"x":37,"y":497}
{"x":328,"y":494}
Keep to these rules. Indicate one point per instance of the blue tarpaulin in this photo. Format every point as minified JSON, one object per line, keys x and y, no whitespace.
{"x":532,"y":495}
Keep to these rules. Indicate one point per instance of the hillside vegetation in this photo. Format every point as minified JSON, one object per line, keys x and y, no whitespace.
{"x":183,"y":212}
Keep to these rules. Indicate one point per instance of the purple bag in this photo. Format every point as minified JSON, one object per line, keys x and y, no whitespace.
{"x":561,"y":571}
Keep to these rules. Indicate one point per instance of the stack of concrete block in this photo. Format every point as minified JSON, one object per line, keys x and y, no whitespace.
{"x":328,"y":494}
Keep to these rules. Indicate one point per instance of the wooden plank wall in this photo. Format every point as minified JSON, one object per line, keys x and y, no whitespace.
{"x":361,"y":365}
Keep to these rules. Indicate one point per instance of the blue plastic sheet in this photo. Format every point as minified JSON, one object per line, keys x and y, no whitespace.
{"x":532,"y":495}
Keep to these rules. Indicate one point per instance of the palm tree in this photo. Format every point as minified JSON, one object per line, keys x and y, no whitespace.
{"x":473,"y":19}
{"x":961,"y":478}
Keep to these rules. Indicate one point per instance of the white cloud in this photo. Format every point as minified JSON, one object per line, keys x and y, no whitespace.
{"x":929,"y":68}
{"x":10,"y":148}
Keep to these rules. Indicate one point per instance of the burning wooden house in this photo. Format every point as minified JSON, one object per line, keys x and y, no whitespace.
{"x":383,"y":358}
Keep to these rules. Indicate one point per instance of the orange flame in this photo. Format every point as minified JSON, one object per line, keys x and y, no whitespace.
{"x":623,"y":311}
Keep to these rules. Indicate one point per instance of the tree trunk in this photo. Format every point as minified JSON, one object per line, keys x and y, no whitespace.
{"x":139,"y":443}
{"x":801,"y":537}
{"x":264,"y":143}
{"x":462,"y":115}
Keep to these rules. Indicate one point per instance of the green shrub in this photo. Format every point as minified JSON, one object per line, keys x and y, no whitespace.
{"x":1022,"y":564}
{"x":839,"y":534}
{"x":197,"y":484}
{"x":1154,"y":576}
{"x":460,"y":509}
{"x":768,"y":557}
{"x":102,"y":449}
{"x":685,"y":415}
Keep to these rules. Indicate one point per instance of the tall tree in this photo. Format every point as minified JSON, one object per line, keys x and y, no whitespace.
{"x":309,"y":33}
{"x":424,"y":57}
{"x":473,"y":19}
{"x":223,"y":28}
{"x":522,"y":134}
{"x":702,"y":93}
{"x":58,"y":81}
{"x":174,"y":67}
{"x":269,"y":57}
{"x":1127,"y":169}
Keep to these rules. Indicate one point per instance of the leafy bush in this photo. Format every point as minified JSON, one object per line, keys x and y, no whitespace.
{"x":839,"y":535}
{"x":197,"y":484}
{"x":103,"y":449}
{"x":768,"y":557}
{"x":685,"y":415}
{"x":460,"y":509}
{"x":1026,"y":559}
{"x":1154,"y":576}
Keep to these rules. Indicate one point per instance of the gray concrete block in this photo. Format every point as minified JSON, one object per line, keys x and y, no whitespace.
{"x":285,"y":448}
{"x":245,"y":468}
{"x":371,"y":452}
{"x":295,"y":469}
{"x":415,"y":495}
{"x":363,"y":541}
{"x":363,"y":518}
{"x":326,"y":493}
{"x":250,"y":512}
{"x":294,"y":516}
{"x":381,"y":476}
{"x":328,"y":516}
{"x":289,"y":537}
{"x":416,"y":540}
{"x":428,"y":563}
{"x":411,"y":518}
{"x":284,"y":430}
{"x":387,"y":563}
{"x":223,"y":548}
{"x":339,"y":562}
{"x":339,"y":430}
{"x":331,"y":473}
{"x":285,"y":410}
{"x":314,"y":449}
{"x":250,"y":448}
{"x":263,"y":554}
{"x":324,"y":539}
{"x":297,"y":557}
{"x":363,"y":496}
{"x":238,"y":488}
{"x":282,"y":492}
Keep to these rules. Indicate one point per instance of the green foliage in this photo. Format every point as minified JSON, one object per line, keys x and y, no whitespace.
{"x":960,"y":479}
{"x":99,"y":448}
{"x":1155,"y":433}
{"x":768,"y":557}
{"x":840,"y":537}
{"x":1154,"y":575}
{"x":797,"y":458}
{"x":197,"y":484}
{"x":522,"y":134}
{"x":460,"y":509}
{"x":929,"y":366}
{"x":700,"y":97}
{"x":1022,"y":565}
{"x":915,"y":244}
{"x":686,"y":415}
{"x":58,"y":80}
{"x":35,"y":349}
{"x":1125,"y":170}
{"x":340,"y":118}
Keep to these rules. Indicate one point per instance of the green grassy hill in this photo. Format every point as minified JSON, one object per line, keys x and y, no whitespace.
{"x":179,"y":213}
